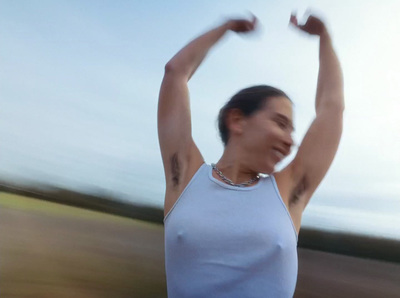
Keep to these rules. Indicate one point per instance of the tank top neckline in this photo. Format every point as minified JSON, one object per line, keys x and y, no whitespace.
{"x":223,"y":184}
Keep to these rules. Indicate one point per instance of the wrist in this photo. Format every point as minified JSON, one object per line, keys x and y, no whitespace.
{"x":228,"y":25}
{"x":324,"y":33}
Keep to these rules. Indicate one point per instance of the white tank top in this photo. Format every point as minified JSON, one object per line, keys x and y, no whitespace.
{"x":227,"y":241}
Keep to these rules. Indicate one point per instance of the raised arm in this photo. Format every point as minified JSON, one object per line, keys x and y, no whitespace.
{"x":180,"y":155}
{"x":318,"y":148}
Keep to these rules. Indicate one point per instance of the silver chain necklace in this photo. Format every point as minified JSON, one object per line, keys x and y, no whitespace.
{"x":229,"y":181}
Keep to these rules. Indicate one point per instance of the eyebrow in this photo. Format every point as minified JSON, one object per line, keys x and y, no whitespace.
{"x":286,"y":119}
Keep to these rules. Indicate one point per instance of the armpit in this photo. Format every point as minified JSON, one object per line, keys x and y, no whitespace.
{"x":175,"y":169}
{"x":298,"y":191}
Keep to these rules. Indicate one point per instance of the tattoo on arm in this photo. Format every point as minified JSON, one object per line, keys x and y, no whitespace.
{"x":175,"y":169}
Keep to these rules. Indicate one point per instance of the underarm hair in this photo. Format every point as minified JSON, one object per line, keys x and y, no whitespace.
{"x":175,"y":169}
{"x":298,"y":191}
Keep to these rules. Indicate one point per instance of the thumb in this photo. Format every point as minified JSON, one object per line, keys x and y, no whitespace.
{"x":293,"y":20}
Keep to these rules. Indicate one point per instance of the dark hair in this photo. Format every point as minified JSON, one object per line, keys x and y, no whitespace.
{"x":248,"y":101}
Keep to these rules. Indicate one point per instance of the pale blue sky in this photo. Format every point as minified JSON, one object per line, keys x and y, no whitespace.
{"x":79,"y":83}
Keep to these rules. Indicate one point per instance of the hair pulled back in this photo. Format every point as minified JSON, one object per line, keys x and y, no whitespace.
{"x":248,"y":101}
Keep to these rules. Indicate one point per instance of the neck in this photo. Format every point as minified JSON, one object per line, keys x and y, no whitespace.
{"x":233,"y":166}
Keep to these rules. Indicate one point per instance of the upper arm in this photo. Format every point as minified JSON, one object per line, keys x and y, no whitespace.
{"x":179,"y":153}
{"x":302,"y":176}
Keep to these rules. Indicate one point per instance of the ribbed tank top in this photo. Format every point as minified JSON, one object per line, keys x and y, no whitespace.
{"x":227,"y":241}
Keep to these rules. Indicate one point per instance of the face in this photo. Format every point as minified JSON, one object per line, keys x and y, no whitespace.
{"x":267,"y":134}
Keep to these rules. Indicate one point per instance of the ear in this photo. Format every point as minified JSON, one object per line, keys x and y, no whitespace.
{"x":235,"y":121}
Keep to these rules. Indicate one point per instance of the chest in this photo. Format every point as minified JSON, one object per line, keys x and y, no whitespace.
{"x":231,"y":224}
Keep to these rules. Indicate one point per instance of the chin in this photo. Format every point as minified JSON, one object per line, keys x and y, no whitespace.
{"x":267,"y":169}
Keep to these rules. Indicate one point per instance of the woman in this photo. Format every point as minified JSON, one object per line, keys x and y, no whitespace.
{"x":228,"y":231}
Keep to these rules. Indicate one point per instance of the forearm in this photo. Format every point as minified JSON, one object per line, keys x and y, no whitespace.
{"x":330,"y":77}
{"x":187,"y":60}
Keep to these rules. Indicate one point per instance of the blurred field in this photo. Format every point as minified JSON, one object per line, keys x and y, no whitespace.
{"x":51,"y":250}
{"x":323,"y":274}
{"x":48,"y":250}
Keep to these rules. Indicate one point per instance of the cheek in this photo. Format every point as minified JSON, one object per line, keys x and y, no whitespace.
{"x":276,"y":133}
{"x":255,"y":141}
{"x":261,"y":136}
{"x":270,"y":135}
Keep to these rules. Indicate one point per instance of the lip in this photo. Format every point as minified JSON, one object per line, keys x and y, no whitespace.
{"x":282,"y":151}
{"x":278,"y":154}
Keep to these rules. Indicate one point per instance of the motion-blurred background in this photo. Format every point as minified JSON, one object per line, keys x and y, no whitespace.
{"x":79,"y":84}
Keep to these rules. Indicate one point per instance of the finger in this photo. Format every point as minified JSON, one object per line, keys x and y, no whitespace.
{"x":254,"y":20}
{"x":293,"y":20}
{"x":249,"y":25}
{"x":302,"y":27}
{"x":308,"y":12}
{"x":251,"y":15}
{"x":254,"y":23}
{"x":313,"y":18}
{"x":308,"y":19}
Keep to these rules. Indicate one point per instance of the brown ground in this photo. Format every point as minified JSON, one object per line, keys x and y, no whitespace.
{"x":49,"y":254}
{"x":324,"y":274}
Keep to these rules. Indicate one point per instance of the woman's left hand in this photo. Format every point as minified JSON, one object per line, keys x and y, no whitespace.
{"x":313,"y":25}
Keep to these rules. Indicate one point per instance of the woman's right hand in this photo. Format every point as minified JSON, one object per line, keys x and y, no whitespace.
{"x":242,"y":25}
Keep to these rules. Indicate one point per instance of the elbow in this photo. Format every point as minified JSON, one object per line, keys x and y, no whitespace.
{"x":338,"y":106}
{"x":340,"y":102}
{"x":335,"y":104}
{"x":331,"y":109}
{"x":169,"y":68}
{"x":341,"y":105}
{"x":172,"y":68}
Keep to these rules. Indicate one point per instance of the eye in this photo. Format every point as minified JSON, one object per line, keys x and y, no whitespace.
{"x":281,"y":123}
